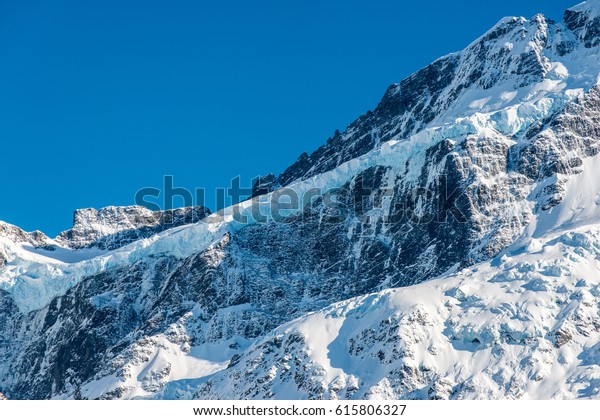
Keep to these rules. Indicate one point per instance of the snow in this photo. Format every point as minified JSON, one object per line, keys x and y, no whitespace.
{"x":580,"y":205}
{"x":158,"y":365}
{"x":521,"y":326}
{"x":59,"y":254}
{"x":164,"y":362}
{"x":576,"y":70}
{"x":319,"y":331}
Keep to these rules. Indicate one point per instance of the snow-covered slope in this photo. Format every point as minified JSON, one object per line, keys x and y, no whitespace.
{"x":486,"y":152}
{"x":524,"y":325}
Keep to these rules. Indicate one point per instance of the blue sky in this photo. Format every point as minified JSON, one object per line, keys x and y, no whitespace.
{"x":101,"y":98}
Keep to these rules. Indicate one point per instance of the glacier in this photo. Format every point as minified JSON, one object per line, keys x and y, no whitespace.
{"x":503,"y":303}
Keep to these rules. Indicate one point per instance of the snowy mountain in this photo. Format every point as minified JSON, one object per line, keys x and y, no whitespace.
{"x":114,"y":227}
{"x":525,"y":324}
{"x":458,"y":259}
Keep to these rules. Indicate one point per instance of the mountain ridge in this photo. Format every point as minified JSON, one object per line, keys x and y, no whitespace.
{"x":362,"y":134}
{"x":469,"y":163}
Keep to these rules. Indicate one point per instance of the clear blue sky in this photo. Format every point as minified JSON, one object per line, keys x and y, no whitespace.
{"x":101,"y":98}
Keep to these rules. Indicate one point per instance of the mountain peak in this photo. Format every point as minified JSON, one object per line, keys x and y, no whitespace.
{"x":16,"y":234}
{"x":112,"y":227}
{"x":516,"y":59}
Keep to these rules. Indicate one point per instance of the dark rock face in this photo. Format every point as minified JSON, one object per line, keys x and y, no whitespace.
{"x":584,"y":25}
{"x":387,"y":121}
{"x":114,"y":227}
{"x":559,"y":149}
{"x":92,"y":325}
{"x":264,"y":185}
